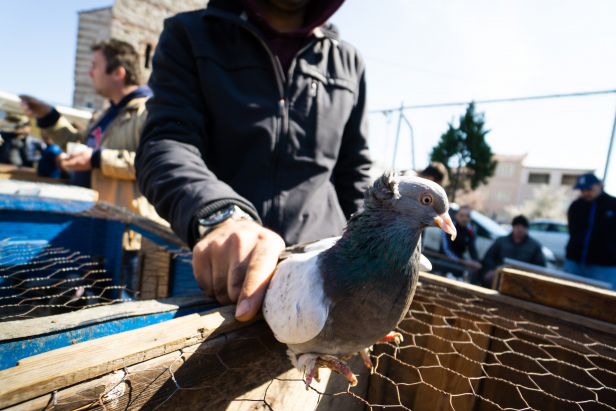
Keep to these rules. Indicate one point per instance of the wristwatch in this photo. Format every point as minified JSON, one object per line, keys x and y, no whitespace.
{"x":210,"y":222}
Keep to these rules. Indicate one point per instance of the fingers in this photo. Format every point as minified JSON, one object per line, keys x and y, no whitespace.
{"x":202,"y":269}
{"x":260,"y":269}
{"x":235,"y":263}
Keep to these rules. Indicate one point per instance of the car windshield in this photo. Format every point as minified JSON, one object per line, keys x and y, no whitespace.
{"x":490,"y":225}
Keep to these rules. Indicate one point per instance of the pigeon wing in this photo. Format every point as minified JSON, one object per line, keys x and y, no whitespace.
{"x":295,"y":306}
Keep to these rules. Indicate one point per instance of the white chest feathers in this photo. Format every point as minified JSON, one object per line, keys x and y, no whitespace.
{"x":294,"y":305}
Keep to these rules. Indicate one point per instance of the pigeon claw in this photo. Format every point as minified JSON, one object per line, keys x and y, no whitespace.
{"x":365,"y":355}
{"x":392,"y":337}
{"x":332,"y":363}
{"x":339,"y":367}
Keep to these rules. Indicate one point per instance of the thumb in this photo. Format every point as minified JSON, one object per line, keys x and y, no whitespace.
{"x":263,"y":261}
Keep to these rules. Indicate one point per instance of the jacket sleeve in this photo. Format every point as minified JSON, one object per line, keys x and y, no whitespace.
{"x":351,"y":173}
{"x":62,"y":133}
{"x":492,"y":258}
{"x":120,"y":164}
{"x":169,"y":164}
{"x":538,"y":257}
{"x":472,"y":248}
{"x":445,"y":247}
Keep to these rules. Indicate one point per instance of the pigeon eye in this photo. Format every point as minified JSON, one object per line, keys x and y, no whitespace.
{"x":426,"y":199}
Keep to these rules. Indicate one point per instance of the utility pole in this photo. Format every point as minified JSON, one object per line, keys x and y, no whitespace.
{"x":609,"y":151}
{"x":400,"y":118}
{"x":412,"y":141}
{"x":393,"y":163}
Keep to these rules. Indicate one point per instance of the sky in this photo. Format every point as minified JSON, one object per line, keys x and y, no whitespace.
{"x":416,"y":52}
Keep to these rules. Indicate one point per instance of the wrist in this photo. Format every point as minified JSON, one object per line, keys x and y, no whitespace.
{"x":222,"y":217}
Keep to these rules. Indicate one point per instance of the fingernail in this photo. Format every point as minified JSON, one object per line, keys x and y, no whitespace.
{"x":242,"y":308}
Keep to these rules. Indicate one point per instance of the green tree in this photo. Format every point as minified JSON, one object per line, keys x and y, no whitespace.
{"x":465,"y":153}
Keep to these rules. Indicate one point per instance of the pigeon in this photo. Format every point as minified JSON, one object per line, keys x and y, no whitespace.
{"x":337,"y":297}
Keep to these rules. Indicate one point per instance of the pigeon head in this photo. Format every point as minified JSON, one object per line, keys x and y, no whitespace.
{"x":421,"y":202}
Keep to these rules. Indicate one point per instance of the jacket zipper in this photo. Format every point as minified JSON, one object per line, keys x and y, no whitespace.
{"x":283,"y":84}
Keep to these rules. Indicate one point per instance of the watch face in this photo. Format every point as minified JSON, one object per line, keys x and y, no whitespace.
{"x":218,"y":217}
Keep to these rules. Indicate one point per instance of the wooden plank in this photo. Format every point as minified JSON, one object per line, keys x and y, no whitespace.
{"x":155,"y":264}
{"x":494,"y":295}
{"x":52,"y":324}
{"x":258,"y":370}
{"x":66,"y":366}
{"x":103,"y":209}
{"x":565,"y":295}
{"x":548,"y":272}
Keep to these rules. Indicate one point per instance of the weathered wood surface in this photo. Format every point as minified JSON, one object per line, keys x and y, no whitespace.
{"x":248,"y":368}
{"x":66,"y":366}
{"x":52,"y":324}
{"x":155,"y":262}
{"x":494,"y":295}
{"x":591,"y":302}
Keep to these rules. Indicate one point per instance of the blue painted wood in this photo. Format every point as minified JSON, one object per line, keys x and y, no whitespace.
{"x":13,"y":351}
{"x":35,"y":203}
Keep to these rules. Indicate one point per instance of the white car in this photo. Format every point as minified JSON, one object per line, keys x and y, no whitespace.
{"x":487,"y":231}
{"x":552,"y":234}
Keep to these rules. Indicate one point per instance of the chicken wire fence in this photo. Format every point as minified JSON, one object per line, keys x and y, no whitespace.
{"x":460,"y":352}
{"x":38,"y":279}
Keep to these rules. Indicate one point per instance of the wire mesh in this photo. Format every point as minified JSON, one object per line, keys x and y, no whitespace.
{"x":460,"y":352}
{"x":38,"y":280}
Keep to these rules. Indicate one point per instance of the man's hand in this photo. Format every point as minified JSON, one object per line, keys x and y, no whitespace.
{"x":235,"y":262}
{"x":79,"y":161}
{"x":33,"y":107}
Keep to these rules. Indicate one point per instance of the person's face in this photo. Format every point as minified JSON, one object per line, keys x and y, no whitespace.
{"x":101,"y":81}
{"x":519,"y":232}
{"x":463,"y":216}
{"x":593,"y":192}
{"x":289,"y":5}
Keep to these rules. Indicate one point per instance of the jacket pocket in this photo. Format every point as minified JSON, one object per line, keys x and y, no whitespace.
{"x":322,"y":106}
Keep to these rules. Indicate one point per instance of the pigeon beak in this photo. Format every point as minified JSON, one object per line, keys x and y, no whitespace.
{"x":444,"y":221}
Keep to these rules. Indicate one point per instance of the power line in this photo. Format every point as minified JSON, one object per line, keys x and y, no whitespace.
{"x":504,"y":100}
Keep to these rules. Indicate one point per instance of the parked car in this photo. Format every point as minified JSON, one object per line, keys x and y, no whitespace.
{"x":487,"y":231}
{"x":552,"y":234}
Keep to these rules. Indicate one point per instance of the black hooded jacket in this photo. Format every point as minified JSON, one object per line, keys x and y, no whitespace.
{"x":226,"y":126}
{"x":600,"y":241}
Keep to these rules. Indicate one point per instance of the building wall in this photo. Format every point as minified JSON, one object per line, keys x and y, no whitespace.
{"x":503,"y":188}
{"x":555,"y":180}
{"x":94,"y":25}
{"x":138,"y":22}
{"x":512,"y":184}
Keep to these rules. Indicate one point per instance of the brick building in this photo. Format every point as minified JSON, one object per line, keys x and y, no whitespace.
{"x":513,"y":182}
{"x":138,"y":22}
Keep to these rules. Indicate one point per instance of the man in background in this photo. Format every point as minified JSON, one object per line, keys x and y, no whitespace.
{"x":19,"y":148}
{"x":591,"y":251}
{"x":517,"y":246}
{"x":436,"y":172}
{"x":465,"y":241}
{"x":106,"y":163}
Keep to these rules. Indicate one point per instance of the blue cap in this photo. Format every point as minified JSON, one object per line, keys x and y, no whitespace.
{"x":585,"y":181}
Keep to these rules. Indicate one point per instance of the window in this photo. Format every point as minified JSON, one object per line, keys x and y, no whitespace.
{"x":502,"y":196}
{"x":568,"y":179}
{"x":558,"y":228}
{"x":505,"y":169}
{"x":538,"y":227}
{"x":148,"y":55}
{"x":539,"y":178}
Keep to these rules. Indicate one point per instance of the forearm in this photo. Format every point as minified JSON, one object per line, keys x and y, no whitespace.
{"x":59,"y":129}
